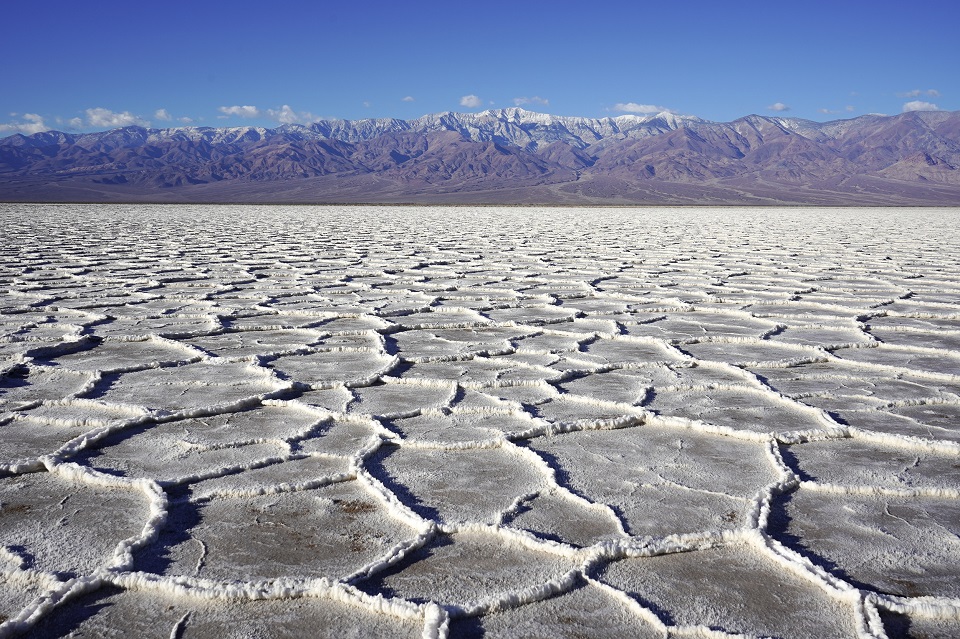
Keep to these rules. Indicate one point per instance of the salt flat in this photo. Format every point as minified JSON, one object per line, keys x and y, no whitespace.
{"x":464,"y":422}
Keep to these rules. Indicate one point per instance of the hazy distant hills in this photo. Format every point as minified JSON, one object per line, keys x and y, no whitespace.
{"x":502,"y":156}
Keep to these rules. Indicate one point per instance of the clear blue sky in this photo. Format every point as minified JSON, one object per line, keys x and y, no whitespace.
{"x":93,"y":65}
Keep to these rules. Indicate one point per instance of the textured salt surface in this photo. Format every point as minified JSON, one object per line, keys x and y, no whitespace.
{"x":392,"y":422}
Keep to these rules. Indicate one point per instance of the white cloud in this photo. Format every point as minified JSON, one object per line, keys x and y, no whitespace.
{"x":778,"y":106}
{"x":286,"y":115}
{"x":471,"y":101}
{"x":933,"y":93}
{"x":920,"y":105}
{"x":31,"y":123}
{"x":100,"y":117}
{"x":283,"y":115}
{"x":367,"y":104}
{"x":534,"y":100}
{"x":408,"y":98}
{"x":186,"y":120}
{"x":633,"y":107}
{"x":240,"y":111}
{"x":162,"y":115}
{"x":75,"y":123}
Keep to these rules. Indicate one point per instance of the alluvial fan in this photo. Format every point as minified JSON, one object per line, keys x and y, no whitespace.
{"x":466,"y":422}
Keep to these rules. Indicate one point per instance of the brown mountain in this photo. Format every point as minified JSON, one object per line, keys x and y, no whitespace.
{"x":502,"y":156}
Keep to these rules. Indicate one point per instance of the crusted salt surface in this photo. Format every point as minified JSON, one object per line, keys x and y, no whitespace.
{"x":735,"y":587}
{"x":478,"y":422}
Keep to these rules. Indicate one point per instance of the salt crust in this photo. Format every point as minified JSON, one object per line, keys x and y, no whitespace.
{"x":595,"y":418}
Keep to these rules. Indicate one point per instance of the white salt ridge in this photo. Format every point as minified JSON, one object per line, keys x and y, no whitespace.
{"x":394,"y":346}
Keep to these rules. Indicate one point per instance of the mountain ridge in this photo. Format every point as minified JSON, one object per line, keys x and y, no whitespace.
{"x":502,"y":156}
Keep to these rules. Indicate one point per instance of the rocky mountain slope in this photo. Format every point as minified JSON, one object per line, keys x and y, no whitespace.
{"x":501,"y":156}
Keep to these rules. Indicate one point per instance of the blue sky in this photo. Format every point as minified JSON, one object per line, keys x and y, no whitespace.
{"x":81,"y":66}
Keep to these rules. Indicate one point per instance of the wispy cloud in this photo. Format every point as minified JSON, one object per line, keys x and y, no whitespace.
{"x":100,"y":117}
{"x":633,"y":107}
{"x":471,"y":101}
{"x":31,"y":123}
{"x":916,"y":93}
{"x":185,"y":120}
{"x":534,"y":100}
{"x":408,"y":98}
{"x":920,"y":105}
{"x":847,"y":109}
{"x":163,"y":115}
{"x":778,"y":106}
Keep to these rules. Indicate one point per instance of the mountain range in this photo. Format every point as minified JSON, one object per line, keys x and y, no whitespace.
{"x":502,"y":156}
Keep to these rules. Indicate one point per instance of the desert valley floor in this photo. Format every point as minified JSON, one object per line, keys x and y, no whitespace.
{"x":460,"y":422}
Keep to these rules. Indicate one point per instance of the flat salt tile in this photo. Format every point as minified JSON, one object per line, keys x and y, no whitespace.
{"x":344,"y":437}
{"x":939,"y":421}
{"x":632,"y":351}
{"x":332,"y":532}
{"x":737,"y":408}
{"x":329,"y":367}
{"x":204,"y":385}
{"x":898,"y":545}
{"x":165,"y":456}
{"x":586,"y":611}
{"x":19,"y":590}
{"x":861,"y":462}
{"x":67,"y":527}
{"x":25,"y":440}
{"x":820,"y":336}
{"x":750,"y":353}
{"x":286,"y":475}
{"x":531,"y":315}
{"x":944,"y":362}
{"x":399,"y":399}
{"x":28,"y":384}
{"x":571,"y":409}
{"x":333,"y":399}
{"x":247,"y":343}
{"x":257,"y":424}
{"x":167,"y":326}
{"x":118,"y":355}
{"x":549,"y":343}
{"x":560,"y":517}
{"x":735,"y":589}
{"x":113,"y":613}
{"x":885,"y":421}
{"x":922,"y":339}
{"x":473,"y":485}
{"x":661,"y":480}
{"x":468,"y":568}
{"x":462,"y":427}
